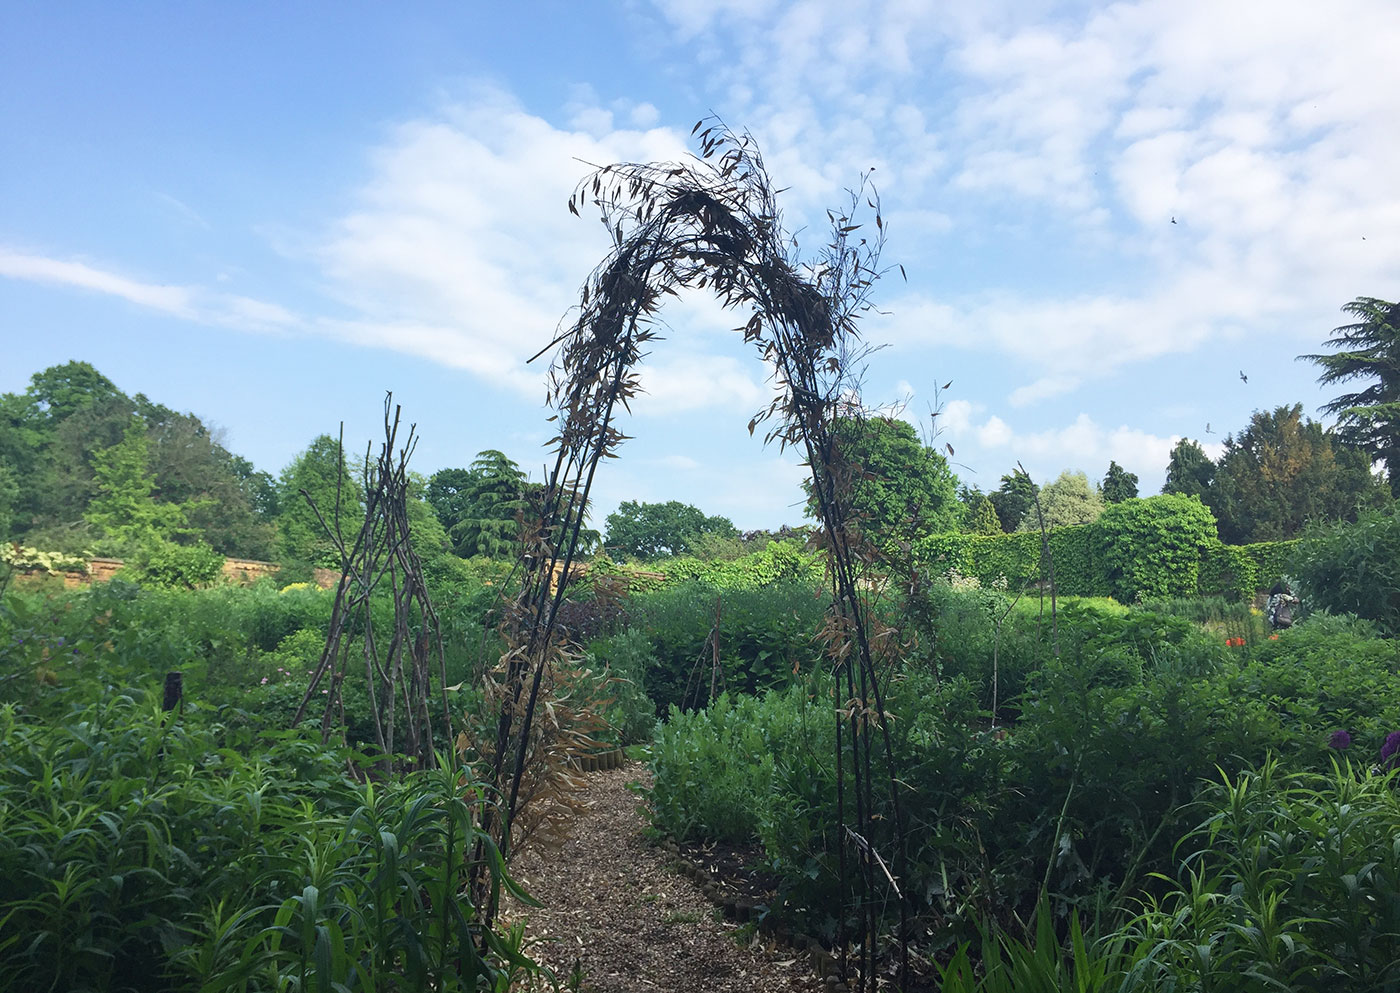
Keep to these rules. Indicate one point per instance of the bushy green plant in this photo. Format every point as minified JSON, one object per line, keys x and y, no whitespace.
{"x":1289,"y":883}
{"x":713,"y":770}
{"x":1355,"y":568}
{"x":765,"y":635}
{"x":139,"y":854}
{"x":1152,"y":548}
{"x":625,"y":658}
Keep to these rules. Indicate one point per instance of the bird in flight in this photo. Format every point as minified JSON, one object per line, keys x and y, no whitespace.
{"x":1208,"y":430}
{"x":1243,"y":377}
{"x":1173,"y":220}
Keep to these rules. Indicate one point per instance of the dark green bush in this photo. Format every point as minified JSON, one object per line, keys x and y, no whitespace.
{"x":1354,"y":568}
{"x":765,"y":636}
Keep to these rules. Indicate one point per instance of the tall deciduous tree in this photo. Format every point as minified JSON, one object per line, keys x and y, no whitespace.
{"x":300,"y":535}
{"x":1118,"y":484}
{"x":1282,"y":471}
{"x":901,"y":489}
{"x":1370,"y":350}
{"x":1068,"y":500}
{"x":652,"y":530}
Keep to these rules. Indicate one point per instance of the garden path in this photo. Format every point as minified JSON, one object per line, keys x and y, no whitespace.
{"x":615,"y":908}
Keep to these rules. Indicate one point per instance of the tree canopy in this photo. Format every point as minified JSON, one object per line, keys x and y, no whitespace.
{"x":1013,"y":499}
{"x":1283,"y":471}
{"x":53,"y":435}
{"x":653,"y":530}
{"x":1068,"y":500}
{"x":1368,"y":419}
{"x":300,"y":536}
{"x":902,"y":488}
{"x":1190,"y":472}
{"x":1118,"y":484}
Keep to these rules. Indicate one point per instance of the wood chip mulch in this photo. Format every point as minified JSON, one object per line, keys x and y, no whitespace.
{"x":616,"y":909}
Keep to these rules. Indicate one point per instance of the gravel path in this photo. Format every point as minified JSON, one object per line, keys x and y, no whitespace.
{"x":614,"y":908}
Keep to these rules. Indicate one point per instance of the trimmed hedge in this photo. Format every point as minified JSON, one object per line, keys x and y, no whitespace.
{"x":1158,"y":547}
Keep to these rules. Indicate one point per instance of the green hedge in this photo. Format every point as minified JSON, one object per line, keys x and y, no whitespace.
{"x":1159,"y":547}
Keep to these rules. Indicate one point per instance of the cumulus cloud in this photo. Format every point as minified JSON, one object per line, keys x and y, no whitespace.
{"x":1179,"y":145}
{"x":459,"y":248}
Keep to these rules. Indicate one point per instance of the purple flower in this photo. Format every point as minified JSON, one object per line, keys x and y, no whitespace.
{"x":1390,"y":751}
{"x":1340,"y":740}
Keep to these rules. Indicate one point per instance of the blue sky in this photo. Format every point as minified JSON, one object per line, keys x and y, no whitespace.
{"x":269,"y":214}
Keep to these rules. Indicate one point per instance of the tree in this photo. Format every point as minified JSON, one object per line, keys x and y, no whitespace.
{"x":1118,"y":484}
{"x":1190,"y":471}
{"x":652,"y":530}
{"x":318,"y":470}
{"x":901,"y":489}
{"x":154,"y":537}
{"x":1282,"y":471}
{"x":191,"y":466}
{"x":447,"y":493}
{"x":1013,"y":499}
{"x":60,"y":391}
{"x":1068,"y":500}
{"x":1369,"y":419}
{"x":986,"y":521}
{"x":489,"y":503}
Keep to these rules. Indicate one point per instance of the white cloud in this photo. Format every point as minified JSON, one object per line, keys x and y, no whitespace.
{"x":460,"y":249}
{"x":674,"y":384}
{"x":175,"y":300}
{"x":1248,"y":123}
{"x":188,"y":302}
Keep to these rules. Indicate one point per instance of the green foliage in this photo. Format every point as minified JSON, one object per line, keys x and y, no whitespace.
{"x":139,"y":854}
{"x":1283,"y":471}
{"x":1288,"y":883}
{"x":1153,"y":547}
{"x":899,"y":487}
{"x":1370,"y":350}
{"x":626,"y":658}
{"x":1069,"y":500}
{"x":1014,"y":499}
{"x":653,"y":530}
{"x":154,"y":538}
{"x":713,"y":769}
{"x":775,"y":562}
{"x":1228,"y":571}
{"x":763,"y":636}
{"x":1190,"y":471}
{"x":321,"y":472}
{"x":984,"y":520}
{"x":125,"y":511}
{"x":485,"y":505}
{"x":1118,"y":484}
{"x":1354,"y":568}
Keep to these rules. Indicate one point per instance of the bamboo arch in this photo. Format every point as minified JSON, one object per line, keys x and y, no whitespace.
{"x":714,"y":224}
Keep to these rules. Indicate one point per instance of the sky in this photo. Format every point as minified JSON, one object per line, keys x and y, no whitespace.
{"x":1109,"y":216}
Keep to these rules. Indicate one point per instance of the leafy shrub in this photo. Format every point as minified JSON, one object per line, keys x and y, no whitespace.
{"x":137,"y":854}
{"x":625,"y":658}
{"x":713,"y":770}
{"x":1355,"y":568}
{"x":1152,"y":548}
{"x":765,"y":636}
{"x":1289,"y":883}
